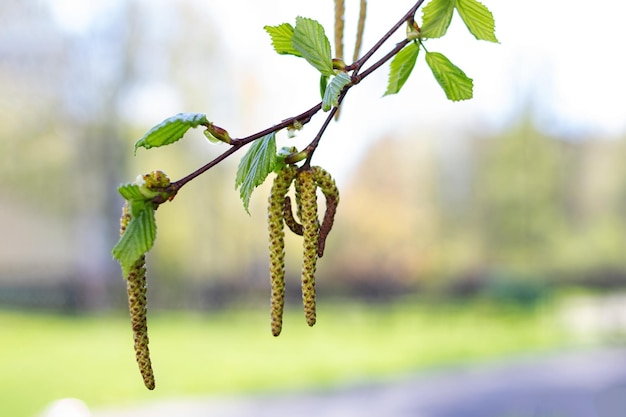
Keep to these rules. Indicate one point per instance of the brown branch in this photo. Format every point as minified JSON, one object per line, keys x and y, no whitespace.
{"x":311,"y":147}
{"x":382,"y":61}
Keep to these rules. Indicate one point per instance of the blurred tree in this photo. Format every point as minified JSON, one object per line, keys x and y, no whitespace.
{"x":389,"y":220}
{"x":520,"y":182}
{"x":69,"y":97}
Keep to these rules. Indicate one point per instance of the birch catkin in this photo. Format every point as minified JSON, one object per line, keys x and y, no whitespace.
{"x":326,"y":183}
{"x":339,"y":26}
{"x":137,"y":304}
{"x":360,"y":29}
{"x":307,"y":198}
{"x":277,"y":245}
{"x":290,"y":221}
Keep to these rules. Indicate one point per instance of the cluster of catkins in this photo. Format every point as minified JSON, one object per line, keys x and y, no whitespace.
{"x":307,"y":180}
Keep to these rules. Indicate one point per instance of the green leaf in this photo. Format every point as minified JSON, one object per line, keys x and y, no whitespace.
{"x":451,"y":78}
{"x":323,"y":84}
{"x":310,"y":40}
{"x":331,"y":95}
{"x":281,"y":39}
{"x":478,"y":19}
{"x":255,"y":166}
{"x":401,"y":67}
{"x":131,"y":192}
{"x":139,"y":236}
{"x":170,"y":130}
{"x":281,"y":155}
{"x":436,"y":18}
{"x":210,"y":137}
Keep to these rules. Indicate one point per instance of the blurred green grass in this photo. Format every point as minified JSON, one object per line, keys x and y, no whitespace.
{"x":46,"y":357}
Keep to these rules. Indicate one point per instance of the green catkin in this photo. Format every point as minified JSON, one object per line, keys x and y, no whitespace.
{"x":307,"y":198}
{"x":137,"y":303}
{"x":277,"y":245}
{"x":339,"y":26}
{"x":290,"y":221}
{"x":360,"y":30}
{"x":326,"y":183}
{"x":125,"y":219}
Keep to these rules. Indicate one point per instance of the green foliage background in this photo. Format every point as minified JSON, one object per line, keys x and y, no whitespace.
{"x":89,"y":357}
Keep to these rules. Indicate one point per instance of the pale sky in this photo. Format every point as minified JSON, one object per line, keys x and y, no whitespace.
{"x":563,"y":56}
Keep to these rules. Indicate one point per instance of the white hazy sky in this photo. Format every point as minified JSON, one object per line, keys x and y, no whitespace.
{"x":561,"y":56}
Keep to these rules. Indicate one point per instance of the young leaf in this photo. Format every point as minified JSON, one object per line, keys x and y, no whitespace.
{"x":310,"y":40}
{"x":130,"y":192}
{"x":401,"y":67}
{"x":138,"y":237}
{"x":255,"y":166}
{"x":323,"y":84}
{"x":436,"y":18}
{"x":170,"y":130}
{"x":331,"y":95}
{"x":281,"y":39}
{"x":451,"y":78}
{"x":478,"y":19}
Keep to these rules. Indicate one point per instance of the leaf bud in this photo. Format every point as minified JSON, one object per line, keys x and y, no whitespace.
{"x":413,"y":31}
{"x":217,"y":134}
{"x":155,"y":184}
{"x":156,"y":180}
{"x":339,"y":64}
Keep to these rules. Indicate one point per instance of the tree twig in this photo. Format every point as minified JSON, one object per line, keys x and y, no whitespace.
{"x":306,"y":116}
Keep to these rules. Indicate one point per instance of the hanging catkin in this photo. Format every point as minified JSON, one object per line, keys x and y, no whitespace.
{"x":307,"y":198}
{"x":360,"y":29}
{"x":340,"y":10}
{"x":326,"y":183}
{"x":137,"y":304}
{"x":290,"y":221}
{"x":277,"y":245}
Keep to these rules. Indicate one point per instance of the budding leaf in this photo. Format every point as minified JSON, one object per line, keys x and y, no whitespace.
{"x":436,"y":18}
{"x":131,"y":192}
{"x":281,"y":39}
{"x":255,"y":166}
{"x":401,"y":67}
{"x":310,"y":40}
{"x":451,"y":78}
{"x":138,"y":237}
{"x":331,"y":94}
{"x":478,"y":19}
{"x":323,"y":84}
{"x":170,"y":130}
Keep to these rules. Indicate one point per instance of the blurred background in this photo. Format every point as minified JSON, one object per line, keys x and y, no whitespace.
{"x":466,"y":231}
